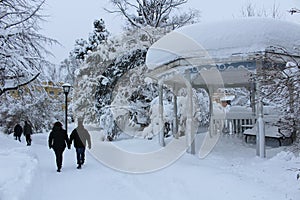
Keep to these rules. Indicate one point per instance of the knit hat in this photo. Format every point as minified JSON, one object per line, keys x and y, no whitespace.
{"x":58,"y":124}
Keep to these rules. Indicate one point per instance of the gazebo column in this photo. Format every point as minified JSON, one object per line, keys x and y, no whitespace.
{"x":211,"y":121}
{"x":252,"y":102}
{"x":190,"y":134}
{"x":260,"y":137}
{"x":175,"y":119}
{"x":161,"y":137}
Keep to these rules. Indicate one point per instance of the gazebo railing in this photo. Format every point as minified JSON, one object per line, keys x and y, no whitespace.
{"x":233,"y":123}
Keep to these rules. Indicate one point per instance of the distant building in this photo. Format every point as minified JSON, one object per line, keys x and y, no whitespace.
{"x":53,"y":89}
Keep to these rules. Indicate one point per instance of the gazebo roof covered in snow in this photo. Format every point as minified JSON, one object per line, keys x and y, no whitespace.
{"x":229,"y":40}
{"x":219,"y":55}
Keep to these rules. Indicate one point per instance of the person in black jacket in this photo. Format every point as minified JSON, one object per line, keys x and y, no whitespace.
{"x":18,"y":132}
{"x":27,"y":131}
{"x":81,"y":138}
{"x":58,"y":141}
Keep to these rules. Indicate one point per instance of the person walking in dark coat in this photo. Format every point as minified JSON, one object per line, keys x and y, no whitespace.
{"x":18,"y":132}
{"x":81,"y":138}
{"x":58,"y":140}
{"x":27,"y":131}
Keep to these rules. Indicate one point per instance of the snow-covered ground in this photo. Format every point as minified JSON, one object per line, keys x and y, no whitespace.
{"x":230,"y":171}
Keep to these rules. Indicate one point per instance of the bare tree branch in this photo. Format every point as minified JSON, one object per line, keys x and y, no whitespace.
{"x":22,"y":46}
{"x":2,"y":91}
{"x":155,"y":13}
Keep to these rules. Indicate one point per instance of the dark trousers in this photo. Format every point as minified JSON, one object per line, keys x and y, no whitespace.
{"x":80,"y":154}
{"x":17,"y":137}
{"x":28,"y":139}
{"x":59,"y":157}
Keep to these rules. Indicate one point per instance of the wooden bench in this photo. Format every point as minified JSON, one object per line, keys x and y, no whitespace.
{"x":270,"y":132}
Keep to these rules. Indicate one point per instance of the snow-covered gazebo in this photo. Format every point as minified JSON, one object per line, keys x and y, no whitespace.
{"x":220,"y":55}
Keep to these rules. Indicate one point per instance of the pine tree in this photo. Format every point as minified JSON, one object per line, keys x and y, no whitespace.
{"x":99,"y":35}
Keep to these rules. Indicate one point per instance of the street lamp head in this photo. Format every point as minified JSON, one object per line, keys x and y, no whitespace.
{"x":66,"y":88}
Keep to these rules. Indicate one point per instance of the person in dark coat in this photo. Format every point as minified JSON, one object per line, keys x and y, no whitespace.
{"x":58,"y":140}
{"x":18,"y":132}
{"x":81,"y":138}
{"x":27,"y":131}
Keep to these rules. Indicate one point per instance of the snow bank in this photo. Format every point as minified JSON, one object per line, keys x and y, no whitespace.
{"x":17,"y":169}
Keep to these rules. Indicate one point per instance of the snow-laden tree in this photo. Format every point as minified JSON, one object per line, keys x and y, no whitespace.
{"x":22,"y":46}
{"x":123,"y":100}
{"x":22,"y":64}
{"x":30,"y":103}
{"x":98,"y":76}
{"x":112,"y":77}
{"x":281,"y":86}
{"x":155,"y":13}
{"x":97,"y":37}
{"x":67,"y":69}
{"x":81,"y":49}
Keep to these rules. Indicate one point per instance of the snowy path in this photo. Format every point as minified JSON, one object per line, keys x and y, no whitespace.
{"x":230,"y":172}
{"x":89,"y":182}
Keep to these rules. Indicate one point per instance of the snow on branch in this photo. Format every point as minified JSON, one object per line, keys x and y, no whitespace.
{"x":3,"y":90}
{"x":154,"y":13}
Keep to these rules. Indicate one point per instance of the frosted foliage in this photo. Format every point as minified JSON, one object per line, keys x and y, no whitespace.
{"x":201,"y":107}
{"x":22,"y":47}
{"x":283,"y":91}
{"x":106,"y":121}
{"x":83,"y":100}
{"x":112,"y":88}
{"x":80,"y":49}
{"x":34,"y":106}
{"x":154,"y":126}
{"x":99,"y":35}
{"x":155,"y":123}
{"x":129,"y":101}
{"x":103,"y":67}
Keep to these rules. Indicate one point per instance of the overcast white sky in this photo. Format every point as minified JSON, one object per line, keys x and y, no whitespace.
{"x":73,"y":19}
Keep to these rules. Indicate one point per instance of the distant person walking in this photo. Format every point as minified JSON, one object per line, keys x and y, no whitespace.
{"x":81,"y":138}
{"x":18,"y":132}
{"x":58,"y":140}
{"x":27,"y":131}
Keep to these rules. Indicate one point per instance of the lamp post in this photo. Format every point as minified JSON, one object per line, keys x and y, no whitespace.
{"x":66,"y":89}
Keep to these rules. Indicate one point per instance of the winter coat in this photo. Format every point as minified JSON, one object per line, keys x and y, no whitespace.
{"x":58,"y":138}
{"x":27,"y":129}
{"x":18,"y":130}
{"x":81,"y":137}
